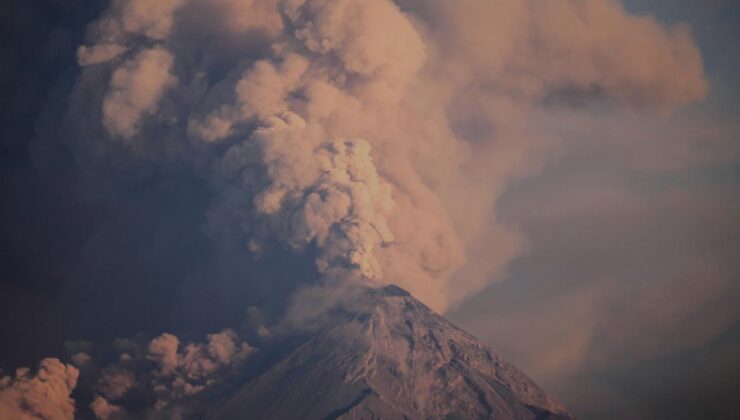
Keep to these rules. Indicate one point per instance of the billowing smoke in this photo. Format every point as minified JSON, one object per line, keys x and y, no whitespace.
{"x":373,"y":135}
{"x":164,"y":377}
{"x":44,"y":395}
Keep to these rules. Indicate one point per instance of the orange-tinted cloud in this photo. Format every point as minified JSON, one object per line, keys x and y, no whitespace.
{"x":438,"y":93}
{"x":44,"y":395}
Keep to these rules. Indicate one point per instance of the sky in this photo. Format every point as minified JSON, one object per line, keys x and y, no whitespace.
{"x":558,"y":178}
{"x":626,"y":305}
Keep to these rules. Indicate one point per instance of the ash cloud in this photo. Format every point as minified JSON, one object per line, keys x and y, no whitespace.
{"x":135,"y":90}
{"x":343,"y":130}
{"x":43,"y":395}
{"x":164,"y":377}
{"x":372,"y":140}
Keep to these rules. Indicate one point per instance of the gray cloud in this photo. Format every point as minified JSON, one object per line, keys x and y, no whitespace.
{"x":164,"y":377}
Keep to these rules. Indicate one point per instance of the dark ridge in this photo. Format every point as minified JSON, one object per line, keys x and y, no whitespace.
{"x":346,"y":409}
{"x":393,"y":290}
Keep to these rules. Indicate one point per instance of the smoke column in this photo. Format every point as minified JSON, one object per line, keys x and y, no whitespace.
{"x":377,"y":133}
{"x":373,"y":135}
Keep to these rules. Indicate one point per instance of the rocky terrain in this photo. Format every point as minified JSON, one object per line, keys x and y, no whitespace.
{"x":387,"y":356}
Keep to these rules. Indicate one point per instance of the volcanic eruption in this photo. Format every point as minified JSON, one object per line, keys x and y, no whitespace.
{"x":371,"y":136}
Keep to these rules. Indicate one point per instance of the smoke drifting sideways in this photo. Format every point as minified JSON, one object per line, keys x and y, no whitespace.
{"x":374,"y":136}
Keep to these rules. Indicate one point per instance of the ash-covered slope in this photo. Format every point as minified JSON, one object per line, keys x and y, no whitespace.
{"x":389,"y":357}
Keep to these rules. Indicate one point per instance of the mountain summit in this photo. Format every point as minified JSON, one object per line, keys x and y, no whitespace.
{"x":388,"y":356}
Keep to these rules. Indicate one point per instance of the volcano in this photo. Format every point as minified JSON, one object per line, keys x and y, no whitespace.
{"x":387,"y":356}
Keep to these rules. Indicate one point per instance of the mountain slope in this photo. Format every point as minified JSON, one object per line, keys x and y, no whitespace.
{"x":390,"y":357}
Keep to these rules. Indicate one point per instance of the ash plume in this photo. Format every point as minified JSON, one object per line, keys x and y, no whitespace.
{"x":379,"y":133}
{"x":43,"y":395}
{"x":374,"y":136}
